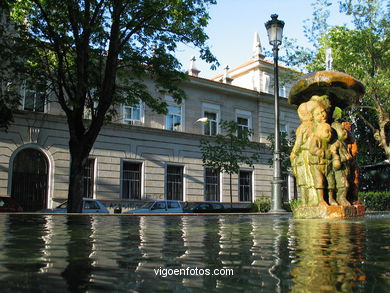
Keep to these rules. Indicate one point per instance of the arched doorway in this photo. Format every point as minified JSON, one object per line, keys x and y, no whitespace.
{"x":30,"y":179}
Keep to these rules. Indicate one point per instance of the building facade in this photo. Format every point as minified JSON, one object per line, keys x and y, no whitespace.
{"x":142,"y":155}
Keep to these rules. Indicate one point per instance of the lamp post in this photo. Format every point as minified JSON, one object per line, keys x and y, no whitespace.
{"x":275,"y":32}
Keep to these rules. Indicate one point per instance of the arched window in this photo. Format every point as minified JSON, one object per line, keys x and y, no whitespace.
{"x":30,"y":179}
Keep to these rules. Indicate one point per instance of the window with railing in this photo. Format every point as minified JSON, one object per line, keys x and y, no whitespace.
{"x":212,"y":184}
{"x":131,"y":180}
{"x":89,"y":178}
{"x":174,"y":182}
{"x":245,"y":185}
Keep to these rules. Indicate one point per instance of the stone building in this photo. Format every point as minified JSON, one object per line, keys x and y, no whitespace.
{"x":142,"y":155}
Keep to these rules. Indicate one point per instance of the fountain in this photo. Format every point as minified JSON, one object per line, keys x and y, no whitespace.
{"x":323,"y":158}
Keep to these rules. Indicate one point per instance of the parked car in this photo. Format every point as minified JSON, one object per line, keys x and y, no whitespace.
{"x":90,"y":206}
{"x":159,"y":207}
{"x":205,"y":207}
{"x":9,"y":205}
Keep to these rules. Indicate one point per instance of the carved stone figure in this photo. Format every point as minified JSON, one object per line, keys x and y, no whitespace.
{"x":323,"y":157}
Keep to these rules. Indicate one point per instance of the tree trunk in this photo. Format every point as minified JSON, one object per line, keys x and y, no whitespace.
{"x":75,"y":184}
{"x":231,"y":192}
{"x":79,"y":151}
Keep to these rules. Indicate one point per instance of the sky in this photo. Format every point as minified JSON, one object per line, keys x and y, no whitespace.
{"x":233,"y":24}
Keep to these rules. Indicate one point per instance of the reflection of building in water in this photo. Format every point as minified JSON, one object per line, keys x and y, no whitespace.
{"x":235,"y":244}
{"x":329,"y":256}
{"x":104,"y":256}
{"x":151,"y":236}
{"x":30,"y":249}
{"x":193,"y":234}
{"x":129,"y":254}
{"x":265,"y":253}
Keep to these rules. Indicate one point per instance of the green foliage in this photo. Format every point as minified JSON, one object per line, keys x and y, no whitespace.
{"x":376,"y":201}
{"x":13,"y":68}
{"x":360,"y":48}
{"x":262,"y":204}
{"x":93,"y":55}
{"x":226,"y":152}
{"x":286,"y":145}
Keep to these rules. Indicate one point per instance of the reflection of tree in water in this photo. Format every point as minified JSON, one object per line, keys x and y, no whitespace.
{"x":235,"y":253}
{"x":24,"y":252}
{"x":329,"y":256}
{"x":80,"y":247}
{"x":173,"y":243}
{"x":211,"y":257}
{"x":130,"y":254}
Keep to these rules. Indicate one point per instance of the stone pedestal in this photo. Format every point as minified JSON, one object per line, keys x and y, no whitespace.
{"x":329,"y":212}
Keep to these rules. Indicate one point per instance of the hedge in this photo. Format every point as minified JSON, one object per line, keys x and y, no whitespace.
{"x":375,"y":201}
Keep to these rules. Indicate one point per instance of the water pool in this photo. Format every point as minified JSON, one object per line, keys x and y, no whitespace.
{"x":218,"y":253}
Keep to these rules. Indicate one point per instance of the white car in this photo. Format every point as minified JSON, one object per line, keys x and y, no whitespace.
{"x":90,"y":206}
{"x":159,"y":207}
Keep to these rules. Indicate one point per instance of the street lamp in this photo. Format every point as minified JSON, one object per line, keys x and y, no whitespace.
{"x":275,"y":32}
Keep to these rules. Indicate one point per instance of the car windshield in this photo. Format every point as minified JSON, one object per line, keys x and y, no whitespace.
{"x":147,"y":205}
{"x":64,"y":205}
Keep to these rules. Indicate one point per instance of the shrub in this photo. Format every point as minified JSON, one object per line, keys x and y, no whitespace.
{"x":263,"y":204}
{"x":375,"y":201}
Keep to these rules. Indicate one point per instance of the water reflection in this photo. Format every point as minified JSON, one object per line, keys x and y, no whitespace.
{"x":329,"y":256}
{"x":123,"y":253}
{"x":79,"y":247}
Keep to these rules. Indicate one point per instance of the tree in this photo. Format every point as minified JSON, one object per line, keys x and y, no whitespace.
{"x":12,"y":70}
{"x":361,"y":49}
{"x":227,"y":151}
{"x":364,"y":52}
{"x":95,"y":54}
{"x":286,"y":145}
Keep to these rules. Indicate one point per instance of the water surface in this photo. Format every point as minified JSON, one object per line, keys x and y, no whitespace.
{"x":60,"y":253}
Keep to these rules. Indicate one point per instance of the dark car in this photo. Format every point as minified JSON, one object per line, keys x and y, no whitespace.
{"x":9,"y":205}
{"x":204,"y":207}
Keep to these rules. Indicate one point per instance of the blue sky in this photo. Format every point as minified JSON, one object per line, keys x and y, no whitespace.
{"x":233,"y":24}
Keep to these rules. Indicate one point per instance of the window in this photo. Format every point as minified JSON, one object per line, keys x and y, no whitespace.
{"x":212,"y":184}
{"x":89,"y":178}
{"x":34,"y":98}
{"x":211,"y":127}
{"x":173,"y":118}
{"x":131,"y":180}
{"x":160,"y":205}
{"x":91,"y":205}
{"x":282,"y":91}
{"x":244,"y":121}
{"x":243,"y":125}
{"x":212,"y":113}
{"x":87,"y":110}
{"x":245,"y":185}
{"x":173,"y":205}
{"x":133,"y":114}
{"x":174,"y":182}
{"x":266,"y":83}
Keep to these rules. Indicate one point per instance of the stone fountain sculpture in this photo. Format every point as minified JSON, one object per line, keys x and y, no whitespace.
{"x":323,"y":158}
